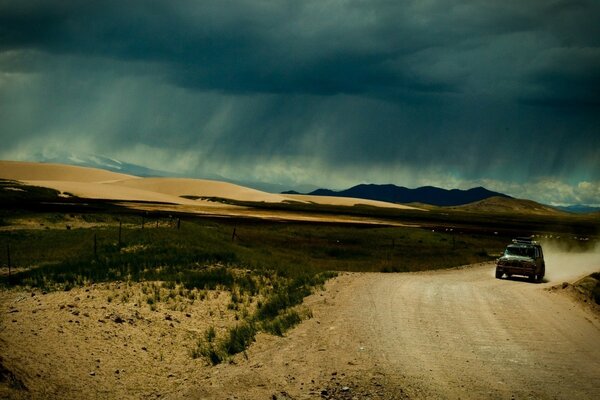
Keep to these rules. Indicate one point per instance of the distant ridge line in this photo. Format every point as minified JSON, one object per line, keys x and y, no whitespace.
{"x":426,"y":194}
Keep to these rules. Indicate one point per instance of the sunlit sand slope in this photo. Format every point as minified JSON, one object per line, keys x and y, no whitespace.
{"x":95,"y":183}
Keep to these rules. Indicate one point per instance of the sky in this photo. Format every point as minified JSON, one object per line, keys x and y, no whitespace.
{"x":332,"y":93}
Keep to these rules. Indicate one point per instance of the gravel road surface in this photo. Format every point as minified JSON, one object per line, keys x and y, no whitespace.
{"x":452,"y":334}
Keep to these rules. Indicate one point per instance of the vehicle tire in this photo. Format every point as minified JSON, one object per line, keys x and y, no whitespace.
{"x":533,"y":278}
{"x":509,"y":276}
{"x":499,"y":274}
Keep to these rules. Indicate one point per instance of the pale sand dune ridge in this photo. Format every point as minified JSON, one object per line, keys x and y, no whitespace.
{"x":201,"y":188}
{"x":95,"y":183}
{"x":346,"y":201}
{"x":32,"y":171}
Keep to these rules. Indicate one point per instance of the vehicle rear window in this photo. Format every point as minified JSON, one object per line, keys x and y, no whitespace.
{"x":520,"y":251}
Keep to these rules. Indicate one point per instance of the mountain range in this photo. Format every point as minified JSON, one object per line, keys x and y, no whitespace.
{"x":399,"y":194}
{"x":579,"y":209}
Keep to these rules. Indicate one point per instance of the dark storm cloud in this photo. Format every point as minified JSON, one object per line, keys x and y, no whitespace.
{"x":315,"y":47}
{"x":230,"y":46}
{"x":481,"y":89}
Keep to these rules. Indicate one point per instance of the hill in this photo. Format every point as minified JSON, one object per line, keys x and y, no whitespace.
{"x":426,"y":194}
{"x":498,"y":205}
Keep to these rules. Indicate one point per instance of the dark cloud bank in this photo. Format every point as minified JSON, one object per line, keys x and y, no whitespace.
{"x":451,"y":93}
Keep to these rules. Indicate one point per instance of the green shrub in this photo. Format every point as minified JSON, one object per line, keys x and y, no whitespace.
{"x":280,"y":324}
{"x":208,"y":351}
{"x":239,"y":338}
{"x":210,"y":334}
{"x":208,"y":279}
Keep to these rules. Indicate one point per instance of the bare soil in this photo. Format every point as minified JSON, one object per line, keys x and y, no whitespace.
{"x":453,"y":334}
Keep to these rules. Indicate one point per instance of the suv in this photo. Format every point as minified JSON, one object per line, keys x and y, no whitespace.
{"x":523,"y":257}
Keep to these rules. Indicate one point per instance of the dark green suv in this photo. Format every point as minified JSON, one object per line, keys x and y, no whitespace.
{"x":523,"y":257}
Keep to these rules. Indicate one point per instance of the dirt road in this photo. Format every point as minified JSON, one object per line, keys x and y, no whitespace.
{"x":463,"y":334}
{"x":451,"y":334}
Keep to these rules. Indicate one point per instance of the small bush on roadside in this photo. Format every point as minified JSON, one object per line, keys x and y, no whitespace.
{"x":210,"y":334}
{"x":239,"y":338}
{"x":280,"y":324}
{"x":207,"y":350}
{"x":208,"y":279}
{"x":169,"y":285}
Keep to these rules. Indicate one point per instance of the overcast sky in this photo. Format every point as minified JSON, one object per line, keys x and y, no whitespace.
{"x":504,"y":94}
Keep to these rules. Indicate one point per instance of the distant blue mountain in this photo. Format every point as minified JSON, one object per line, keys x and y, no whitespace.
{"x":426,"y":194}
{"x":579,"y":209}
{"x":102,"y":162}
{"x":114,"y":165}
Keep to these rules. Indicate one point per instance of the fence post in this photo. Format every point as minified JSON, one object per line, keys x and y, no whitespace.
{"x":120,"y":223}
{"x":143,"y":221}
{"x":95,"y":248}
{"x":233,"y":235}
{"x":8,"y":257}
{"x":178,"y":223}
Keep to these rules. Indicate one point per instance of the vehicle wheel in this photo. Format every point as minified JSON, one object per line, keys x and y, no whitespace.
{"x":509,"y":276}
{"x":532,"y":278}
{"x":499,"y":274}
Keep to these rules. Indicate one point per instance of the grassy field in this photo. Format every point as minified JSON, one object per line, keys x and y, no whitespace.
{"x":267,"y":267}
{"x":287,"y":248}
{"x":505,"y":223}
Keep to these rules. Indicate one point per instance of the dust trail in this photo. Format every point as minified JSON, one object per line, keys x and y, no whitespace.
{"x":566,"y":265}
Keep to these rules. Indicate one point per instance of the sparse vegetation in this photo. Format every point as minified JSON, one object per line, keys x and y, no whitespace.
{"x":187,"y":256}
{"x":267,"y":268}
{"x":281,"y":323}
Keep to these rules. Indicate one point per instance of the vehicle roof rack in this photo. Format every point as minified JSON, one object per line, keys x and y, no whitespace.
{"x":524,"y":240}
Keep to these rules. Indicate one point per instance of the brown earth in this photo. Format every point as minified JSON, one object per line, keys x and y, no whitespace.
{"x":497,"y":204}
{"x":582,"y":291}
{"x":453,"y":334}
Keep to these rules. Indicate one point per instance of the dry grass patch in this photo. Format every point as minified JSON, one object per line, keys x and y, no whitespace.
{"x":106,"y":338}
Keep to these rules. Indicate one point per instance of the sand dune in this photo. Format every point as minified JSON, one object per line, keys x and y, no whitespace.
{"x":31,"y":171}
{"x":201,"y":188}
{"x":346,"y":201}
{"x":95,"y":183}
{"x":97,"y":190}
